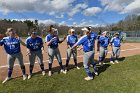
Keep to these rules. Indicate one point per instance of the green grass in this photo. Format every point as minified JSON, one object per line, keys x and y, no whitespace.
{"x":119,"y":78}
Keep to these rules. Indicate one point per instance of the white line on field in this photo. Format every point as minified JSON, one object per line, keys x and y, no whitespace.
{"x":71,"y":57}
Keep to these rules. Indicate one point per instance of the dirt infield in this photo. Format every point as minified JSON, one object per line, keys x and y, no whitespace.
{"x":127,"y":49}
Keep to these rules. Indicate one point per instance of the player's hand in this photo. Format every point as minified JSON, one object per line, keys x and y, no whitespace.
{"x":97,"y":49}
{"x":71,"y":50}
{"x":1,"y":36}
{"x":43,"y":51}
{"x":64,"y":37}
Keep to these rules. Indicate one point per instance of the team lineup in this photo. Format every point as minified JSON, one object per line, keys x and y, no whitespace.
{"x":35,"y":48}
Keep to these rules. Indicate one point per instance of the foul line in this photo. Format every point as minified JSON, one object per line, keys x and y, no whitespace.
{"x":71,"y":57}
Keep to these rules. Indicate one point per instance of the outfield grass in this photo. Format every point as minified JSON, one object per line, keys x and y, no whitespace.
{"x":119,"y":78}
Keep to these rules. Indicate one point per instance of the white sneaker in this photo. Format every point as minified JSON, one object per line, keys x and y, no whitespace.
{"x":6,"y":79}
{"x":116,"y":61}
{"x":29,"y":76}
{"x":65,"y":72}
{"x":88,"y":78}
{"x":62,"y":71}
{"x":96,"y":73}
{"x":50,"y":73}
{"x":24,"y":77}
{"x":43,"y":73}
{"x":101,"y":63}
{"x":77,"y":67}
{"x":112,"y":62}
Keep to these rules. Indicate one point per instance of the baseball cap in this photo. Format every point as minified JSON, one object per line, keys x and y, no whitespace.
{"x":85,"y":29}
{"x":116,"y":33}
{"x":54,"y":30}
{"x":72,"y":30}
{"x":104,"y":32}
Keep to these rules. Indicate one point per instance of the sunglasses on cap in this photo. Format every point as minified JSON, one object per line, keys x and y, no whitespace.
{"x":35,"y":33}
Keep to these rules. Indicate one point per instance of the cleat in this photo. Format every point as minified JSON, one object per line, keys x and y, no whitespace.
{"x":77,"y":67}
{"x":112,"y":62}
{"x":24,"y":77}
{"x":50,"y":73}
{"x":29,"y":76}
{"x":88,"y":78}
{"x":96,"y":73}
{"x":6,"y":79}
{"x":43,"y":73}
{"x":116,"y":61}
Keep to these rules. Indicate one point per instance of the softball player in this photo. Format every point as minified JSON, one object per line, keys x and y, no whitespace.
{"x":12,"y":47}
{"x":71,"y":40}
{"x":103,"y":41}
{"x":87,"y":42}
{"x":115,"y":43}
{"x":52,"y":41}
{"x":35,"y":45}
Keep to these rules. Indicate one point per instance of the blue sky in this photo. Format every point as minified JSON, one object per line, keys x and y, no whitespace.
{"x":69,"y":12}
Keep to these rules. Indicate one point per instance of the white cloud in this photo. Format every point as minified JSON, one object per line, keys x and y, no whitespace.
{"x":92,"y":11}
{"x":134,"y":7}
{"x":87,"y":23}
{"x":62,"y":23}
{"x":42,"y":6}
{"x":122,"y":6}
{"x":59,"y":16}
{"x":70,"y":19}
{"x":47,"y":22}
{"x":77,"y":9}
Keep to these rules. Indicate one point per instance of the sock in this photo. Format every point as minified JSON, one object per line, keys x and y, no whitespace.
{"x":10,"y":72}
{"x":67,"y":63}
{"x":50,"y":66}
{"x":42,"y":67}
{"x":111,"y":59}
{"x":94,"y":67}
{"x":88,"y":71}
{"x":61,"y":66}
{"x":31,"y":69}
{"x":100,"y":59}
{"x":23,"y":70}
{"x":117,"y":58}
{"x":75,"y":61}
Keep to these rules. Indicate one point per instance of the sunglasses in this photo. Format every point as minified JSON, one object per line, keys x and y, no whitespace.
{"x":35,"y":33}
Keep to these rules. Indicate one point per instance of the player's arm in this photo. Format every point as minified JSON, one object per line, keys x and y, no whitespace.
{"x":42,"y":46}
{"x":1,"y":40}
{"x":60,"y":41}
{"x":78,"y":43}
{"x":111,"y":41}
{"x":28,"y":48}
{"x":21,"y":41}
{"x":48,"y":41}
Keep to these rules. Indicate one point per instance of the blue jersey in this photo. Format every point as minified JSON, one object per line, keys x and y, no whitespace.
{"x":104,"y":41}
{"x":87,"y":42}
{"x":94,"y":35}
{"x":34,"y":44}
{"x":54,"y":43}
{"x":116,"y":41}
{"x":72,"y":39}
{"x":11,"y":45}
